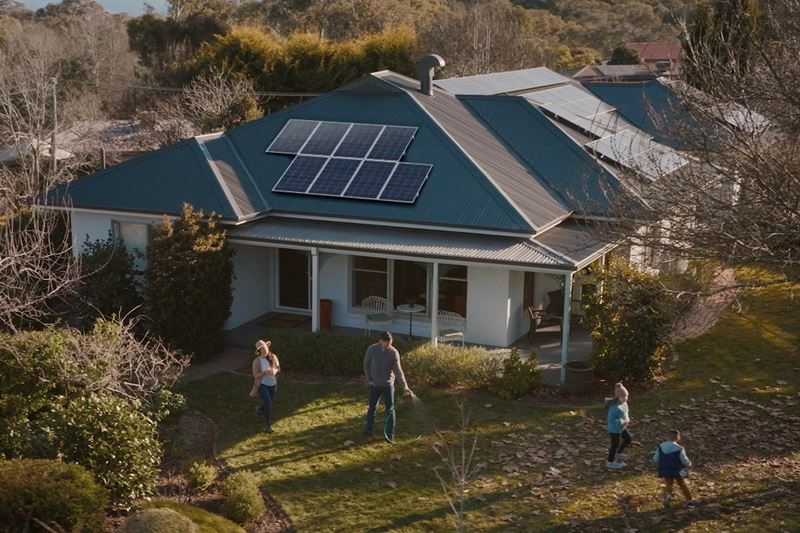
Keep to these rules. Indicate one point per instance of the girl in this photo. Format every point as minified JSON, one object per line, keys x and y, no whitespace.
{"x":265,"y":367}
{"x":618,"y":420}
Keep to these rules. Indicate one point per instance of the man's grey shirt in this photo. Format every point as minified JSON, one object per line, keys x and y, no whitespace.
{"x":382,"y":366}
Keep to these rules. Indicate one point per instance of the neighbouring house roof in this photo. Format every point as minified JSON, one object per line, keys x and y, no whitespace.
{"x":401,"y":241}
{"x":618,"y":73}
{"x":651,"y":52}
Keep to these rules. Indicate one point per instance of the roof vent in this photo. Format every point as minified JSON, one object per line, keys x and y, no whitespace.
{"x":425,"y":67}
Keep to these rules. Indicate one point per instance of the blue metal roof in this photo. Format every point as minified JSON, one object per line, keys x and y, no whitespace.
{"x":455,"y":194}
{"x":640,"y":102}
{"x":158,"y":182}
{"x":569,"y":171}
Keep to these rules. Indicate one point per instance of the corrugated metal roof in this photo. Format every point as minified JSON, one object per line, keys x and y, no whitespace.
{"x":513,"y":177}
{"x":575,"y":240}
{"x":158,"y":182}
{"x":455,"y":194}
{"x":566,"y":167}
{"x":640,"y":103}
{"x":399,"y":241}
{"x":227,"y":165}
{"x":501,"y":82}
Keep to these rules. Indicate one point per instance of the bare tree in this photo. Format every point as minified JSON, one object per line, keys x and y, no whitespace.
{"x":36,"y":260}
{"x":737,"y":200}
{"x":216,"y":101}
{"x":459,"y":459}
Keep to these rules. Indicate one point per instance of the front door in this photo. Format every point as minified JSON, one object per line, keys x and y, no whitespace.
{"x":293,"y":278}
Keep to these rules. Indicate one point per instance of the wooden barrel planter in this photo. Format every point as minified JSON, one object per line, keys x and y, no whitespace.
{"x":579,"y":377}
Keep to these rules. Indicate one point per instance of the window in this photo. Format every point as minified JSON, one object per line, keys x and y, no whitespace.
{"x":410,"y":283}
{"x":370,"y":278}
{"x":453,"y":289}
{"x":134,"y":235}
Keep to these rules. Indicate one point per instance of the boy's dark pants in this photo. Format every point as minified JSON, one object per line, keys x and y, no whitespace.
{"x":616,"y":447}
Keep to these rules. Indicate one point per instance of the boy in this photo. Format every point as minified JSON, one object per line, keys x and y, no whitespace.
{"x":672,"y":463}
{"x":618,"y":427}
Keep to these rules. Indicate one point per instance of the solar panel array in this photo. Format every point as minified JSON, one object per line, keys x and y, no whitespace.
{"x":349,"y":160}
{"x":578,"y":107}
{"x":638,"y":152}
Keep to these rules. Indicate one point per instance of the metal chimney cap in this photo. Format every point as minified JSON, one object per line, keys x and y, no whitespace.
{"x":425,"y":69}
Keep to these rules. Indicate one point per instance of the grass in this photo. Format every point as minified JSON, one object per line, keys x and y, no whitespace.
{"x":206,"y":522}
{"x":734,"y":395}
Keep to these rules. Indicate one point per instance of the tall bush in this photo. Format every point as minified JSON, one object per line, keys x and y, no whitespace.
{"x":91,"y":398}
{"x":188,"y":282}
{"x":108,"y":282}
{"x":51,"y":492}
{"x":630,"y":320}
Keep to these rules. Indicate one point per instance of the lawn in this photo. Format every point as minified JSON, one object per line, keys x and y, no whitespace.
{"x":733,"y":394}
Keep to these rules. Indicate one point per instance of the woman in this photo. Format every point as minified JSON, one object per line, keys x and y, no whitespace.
{"x":265,"y":367}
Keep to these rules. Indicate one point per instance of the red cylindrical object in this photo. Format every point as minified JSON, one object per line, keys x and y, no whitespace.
{"x":325,"y":307}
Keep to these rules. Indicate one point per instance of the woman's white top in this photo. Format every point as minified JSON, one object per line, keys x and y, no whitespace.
{"x":264,"y":364}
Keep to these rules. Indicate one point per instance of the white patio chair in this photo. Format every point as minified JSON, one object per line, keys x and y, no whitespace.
{"x":452,"y":327}
{"x":376,"y":312}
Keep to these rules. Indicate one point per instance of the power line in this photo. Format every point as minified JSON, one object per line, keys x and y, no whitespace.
{"x":182,"y":90}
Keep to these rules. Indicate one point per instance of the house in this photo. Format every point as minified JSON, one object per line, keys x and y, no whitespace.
{"x":660,"y":54}
{"x":594,"y":73}
{"x":470,"y":195}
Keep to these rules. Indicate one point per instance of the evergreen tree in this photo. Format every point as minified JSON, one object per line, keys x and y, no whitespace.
{"x":188,"y":282}
{"x":622,"y":55}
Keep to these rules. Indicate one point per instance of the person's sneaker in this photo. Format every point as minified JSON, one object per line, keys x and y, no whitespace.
{"x":615,"y":465}
{"x":269,"y":429}
{"x":667,"y":500}
{"x":621,"y":457}
{"x":368,"y":434}
{"x":691,"y":504}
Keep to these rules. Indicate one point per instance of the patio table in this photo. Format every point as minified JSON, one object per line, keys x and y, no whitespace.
{"x":410,"y":309}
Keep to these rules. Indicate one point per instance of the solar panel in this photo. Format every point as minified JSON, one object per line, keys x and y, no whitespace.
{"x":325,"y":138}
{"x":349,"y":160}
{"x":405,"y":183}
{"x":392,"y":143}
{"x":358,"y":140}
{"x":638,"y":152}
{"x":369,"y":180}
{"x":334,"y":177}
{"x":300,"y":174}
{"x":292,"y":137}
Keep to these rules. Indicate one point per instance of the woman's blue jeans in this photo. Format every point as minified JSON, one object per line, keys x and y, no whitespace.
{"x":266,"y":392}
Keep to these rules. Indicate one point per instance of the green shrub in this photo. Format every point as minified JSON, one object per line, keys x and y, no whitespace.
{"x":336,"y":354}
{"x":158,"y":520}
{"x":205,"y":521}
{"x":517,"y":377}
{"x":188,"y":282}
{"x":200,"y":475}
{"x":450,"y":366}
{"x":108,"y":280}
{"x":630,"y":322}
{"x":112,"y":438}
{"x":50,"y":491}
{"x":243,"y":501}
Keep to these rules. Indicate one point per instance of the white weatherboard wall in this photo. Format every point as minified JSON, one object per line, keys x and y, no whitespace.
{"x":97,"y":225}
{"x":488,"y":306}
{"x":252,"y":284}
{"x":518,"y":324}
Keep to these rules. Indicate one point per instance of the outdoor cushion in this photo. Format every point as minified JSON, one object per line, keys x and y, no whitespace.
{"x":451,"y":333}
{"x":379,"y":317}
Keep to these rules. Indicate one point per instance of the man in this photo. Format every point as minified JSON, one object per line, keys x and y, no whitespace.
{"x":381,"y":368}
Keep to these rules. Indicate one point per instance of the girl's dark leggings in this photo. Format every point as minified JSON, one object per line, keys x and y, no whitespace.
{"x":616,"y":447}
